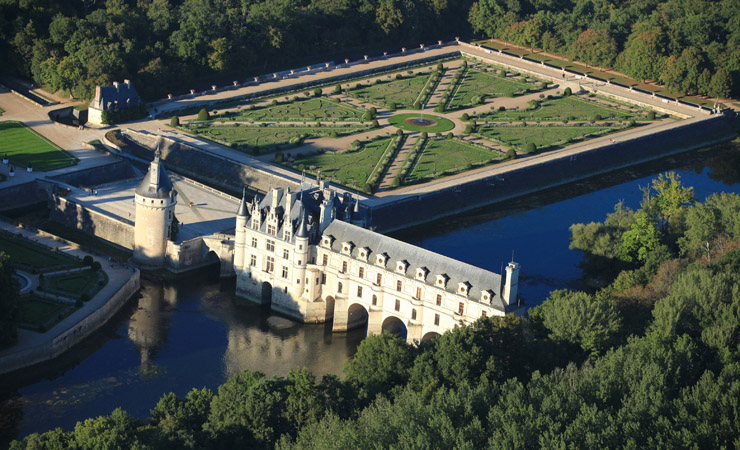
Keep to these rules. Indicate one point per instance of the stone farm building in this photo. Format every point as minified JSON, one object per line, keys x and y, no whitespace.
{"x":109,"y":98}
{"x":308,"y":255}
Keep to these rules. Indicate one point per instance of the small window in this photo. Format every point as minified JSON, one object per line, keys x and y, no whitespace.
{"x":344,"y":266}
{"x":255,"y":224}
{"x":413,"y":314}
{"x":323,"y":278}
{"x":254,"y":242}
{"x":271,"y":229}
{"x":484,"y":314}
{"x":439,"y":299}
{"x":359,"y":291}
{"x":346,"y":249}
{"x":269,"y":264}
{"x":362,"y":272}
{"x":300,"y":247}
{"x":287,"y":235}
{"x":286,"y":254}
{"x":325,"y":260}
{"x":339,"y":288}
{"x":362,"y":254}
{"x":285,"y":272}
{"x":399,"y":285}
{"x":252,"y":260}
{"x":461,"y":308}
{"x":375,"y":300}
{"x":380,"y":279}
{"x":398,"y":305}
{"x":270,"y":246}
{"x":418,"y":292}
{"x":436,"y":319}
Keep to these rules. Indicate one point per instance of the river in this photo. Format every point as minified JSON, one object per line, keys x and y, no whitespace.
{"x":193,"y":333}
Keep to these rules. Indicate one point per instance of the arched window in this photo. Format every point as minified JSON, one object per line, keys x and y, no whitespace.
{"x":339,"y":288}
{"x":375,"y":300}
{"x":413,"y":314}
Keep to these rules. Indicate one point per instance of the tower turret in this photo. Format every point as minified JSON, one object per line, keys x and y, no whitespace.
{"x":155,"y":201}
{"x":300,"y":255}
{"x":242,"y":217}
{"x":511,"y":287}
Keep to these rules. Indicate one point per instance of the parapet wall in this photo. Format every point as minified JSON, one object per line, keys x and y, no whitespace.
{"x":94,"y":223}
{"x":94,"y":176}
{"x":21,"y":195}
{"x":413,"y":209}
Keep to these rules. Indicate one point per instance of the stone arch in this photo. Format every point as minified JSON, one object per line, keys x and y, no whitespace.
{"x":428,"y":337}
{"x":394,"y":325}
{"x":329,"y":315}
{"x":357,"y":316}
{"x":266,"y":295}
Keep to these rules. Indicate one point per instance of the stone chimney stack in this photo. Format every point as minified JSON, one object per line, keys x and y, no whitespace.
{"x":97,"y":93}
{"x":115,"y":85}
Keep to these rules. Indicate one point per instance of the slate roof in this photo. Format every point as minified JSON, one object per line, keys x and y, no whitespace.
{"x":163,"y":186}
{"x":457,"y":271}
{"x":125,"y":95}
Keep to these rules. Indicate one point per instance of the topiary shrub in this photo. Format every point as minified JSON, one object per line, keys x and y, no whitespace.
{"x":175,"y":121}
{"x":399,"y":132}
{"x":367,"y":188}
{"x":597,"y":117}
{"x":88,"y":260}
{"x":450,"y":135}
{"x":567,"y":92}
{"x":530,"y":148}
{"x":651,"y":115}
{"x":279,"y":157}
{"x":375,"y":124}
{"x":424,"y":135}
{"x":203,"y":115}
{"x":317,"y":92}
{"x":502,"y":108}
{"x":510,"y":154}
{"x":502,"y":74}
{"x":338,"y":89}
{"x":465,"y":116}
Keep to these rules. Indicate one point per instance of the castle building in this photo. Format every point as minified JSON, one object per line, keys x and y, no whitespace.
{"x":308,"y":255}
{"x":108,"y":98}
{"x":155,"y":201}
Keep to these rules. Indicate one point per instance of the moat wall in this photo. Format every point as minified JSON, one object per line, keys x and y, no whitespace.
{"x":93,"y":223}
{"x":409,"y":210}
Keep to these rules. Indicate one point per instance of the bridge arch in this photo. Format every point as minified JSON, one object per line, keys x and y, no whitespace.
{"x":357,"y":316}
{"x":430,"y":336}
{"x":395,"y":326}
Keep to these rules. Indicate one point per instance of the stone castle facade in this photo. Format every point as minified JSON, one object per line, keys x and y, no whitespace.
{"x":308,"y":255}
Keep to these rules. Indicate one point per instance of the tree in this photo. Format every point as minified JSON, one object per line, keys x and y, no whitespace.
{"x":721,"y":84}
{"x":117,"y":431}
{"x":643,"y":56}
{"x":203,"y":115}
{"x":381,"y":362}
{"x":10,"y":306}
{"x":174,"y":228}
{"x":641,"y":239}
{"x":595,"y":47}
{"x":175,"y":121}
{"x":578,"y":318}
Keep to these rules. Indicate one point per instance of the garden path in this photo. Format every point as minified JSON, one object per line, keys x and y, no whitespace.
{"x":395,"y":167}
{"x":444,"y":83}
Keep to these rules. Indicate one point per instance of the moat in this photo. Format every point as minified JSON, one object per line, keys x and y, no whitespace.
{"x":192,"y":333}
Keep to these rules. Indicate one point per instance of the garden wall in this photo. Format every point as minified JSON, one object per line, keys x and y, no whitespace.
{"x":21,"y":195}
{"x":93,"y":223}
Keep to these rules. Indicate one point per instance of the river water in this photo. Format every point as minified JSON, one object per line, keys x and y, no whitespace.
{"x":193,"y":333}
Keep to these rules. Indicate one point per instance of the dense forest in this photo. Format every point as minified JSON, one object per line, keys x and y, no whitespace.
{"x":649,"y":361}
{"x":692,"y":46}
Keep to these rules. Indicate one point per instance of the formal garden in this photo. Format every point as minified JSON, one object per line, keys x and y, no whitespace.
{"x":351,"y":134}
{"x":23,"y":146}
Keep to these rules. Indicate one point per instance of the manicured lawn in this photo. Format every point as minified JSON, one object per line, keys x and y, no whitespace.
{"x":75,"y":283}
{"x":37,"y":311}
{"x":448,"y":156}
{"x":350,"y":168}
{"x":477,"y":83}
{"x":541,"y":136}
{"x":311,"y":109}
{"x":24,"y":146}
{"x":269,"y":137}
{"x":399,"y":120}
{"x":573,"y":108}
{"x":32,"y":254}
{"x":403,"y":92}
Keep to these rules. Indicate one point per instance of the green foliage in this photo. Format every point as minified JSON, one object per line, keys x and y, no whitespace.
{"x":10,"y":305}
{"x":567,"y":92}
{"x":122,"y":115}
{"x":175,"y":121}
{"x":651,"y":115}
{"x":510,"y":153}
{"x":530,"y":148}
{"x":174,"y":228}
{"x":203,"y":115}
{"x":381,"y":362}
{"x":578,"y":319}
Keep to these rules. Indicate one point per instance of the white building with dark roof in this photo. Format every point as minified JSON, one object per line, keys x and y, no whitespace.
{"x":108,"y":98}
{"x":309,"y":257}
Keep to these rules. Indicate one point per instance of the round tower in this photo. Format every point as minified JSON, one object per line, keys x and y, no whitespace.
{"x":300,"y":254}
{"x":155,"y":201}
{"x":240,"y":239}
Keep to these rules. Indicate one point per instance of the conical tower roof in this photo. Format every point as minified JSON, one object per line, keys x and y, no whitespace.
{"x":243,"y":210}
{"x":156,"y":183}
{"x":302,"y":228}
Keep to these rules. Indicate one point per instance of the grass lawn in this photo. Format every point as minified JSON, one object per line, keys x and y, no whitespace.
{"x":24,"y":146}
{"x":32,"y":254}
{"x":477,"y":83}
{"x":269,"y":137}
{"x":541,"y":136}
{"x":448,"y":156}
{"x":403,"y":92}
{"x":75,"y":283}
{"x":37,"y":312}
{"x":311,"y":109}
{"x":350,"y":168}
{"x":399,"y":120}
{"x":572,"y":108}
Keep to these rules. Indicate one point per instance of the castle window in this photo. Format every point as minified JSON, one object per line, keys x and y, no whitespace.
{"x":362,"y":272}
{"x":461,"y":308}
{"x":380,"y":279}
{"x":269,"y":264}
{"x":325,"y":260}
{"x":339,"y":288}
{"x":413,"y":314}
{"x":270,"y":246}
{"x":254,"y":242}
{"x":439,"y":299}
{"x":323,"y":278}
{"x":375,"y":300}
{"x":252,"y":260}
{"x":271,"y":229}
{"x":418,"y":292}
{"x":398,"y":305}
{"x":399,"y":285}
{"x":344,"y":266}
{"x":161,"y":202}
{"x":286,"y":254}
{"x":300,"y":262}
{"x":359,"y":291}
{"x":436,"y":319}
{"x":287,"y":235}
{"x":256,"y":224}
{"x":483,"y":314}
{"x":285,"y":272}
{"x":362,"y":254}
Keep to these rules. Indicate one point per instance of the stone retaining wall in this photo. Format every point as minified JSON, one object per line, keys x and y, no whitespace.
{"x":94,"y":223}
{"x":21,"y":195}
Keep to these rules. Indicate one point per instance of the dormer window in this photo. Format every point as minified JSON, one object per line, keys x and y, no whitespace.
{"x":463,"y":288}
{"x":326,"y":241}
{"x":382,"y":259}
{"x":287,"y":235}
{"x":486,"y":296}
{"x":442,"y":281}
{"x":347,"y":247}
{"x":364,"y":253}
{"x":401,"y":266}
{"x":271,"y":229}
{"x":421,"y":273}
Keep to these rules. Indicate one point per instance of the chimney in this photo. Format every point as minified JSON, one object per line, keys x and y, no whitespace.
{"x":97,"y":93}
{"x":128,"y":83}
{"x":115,"y":85}
{"x":511,"y":286}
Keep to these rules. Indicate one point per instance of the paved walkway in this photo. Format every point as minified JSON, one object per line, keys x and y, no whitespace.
{"x":397,"y":164}
{"x":118,"y":275}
